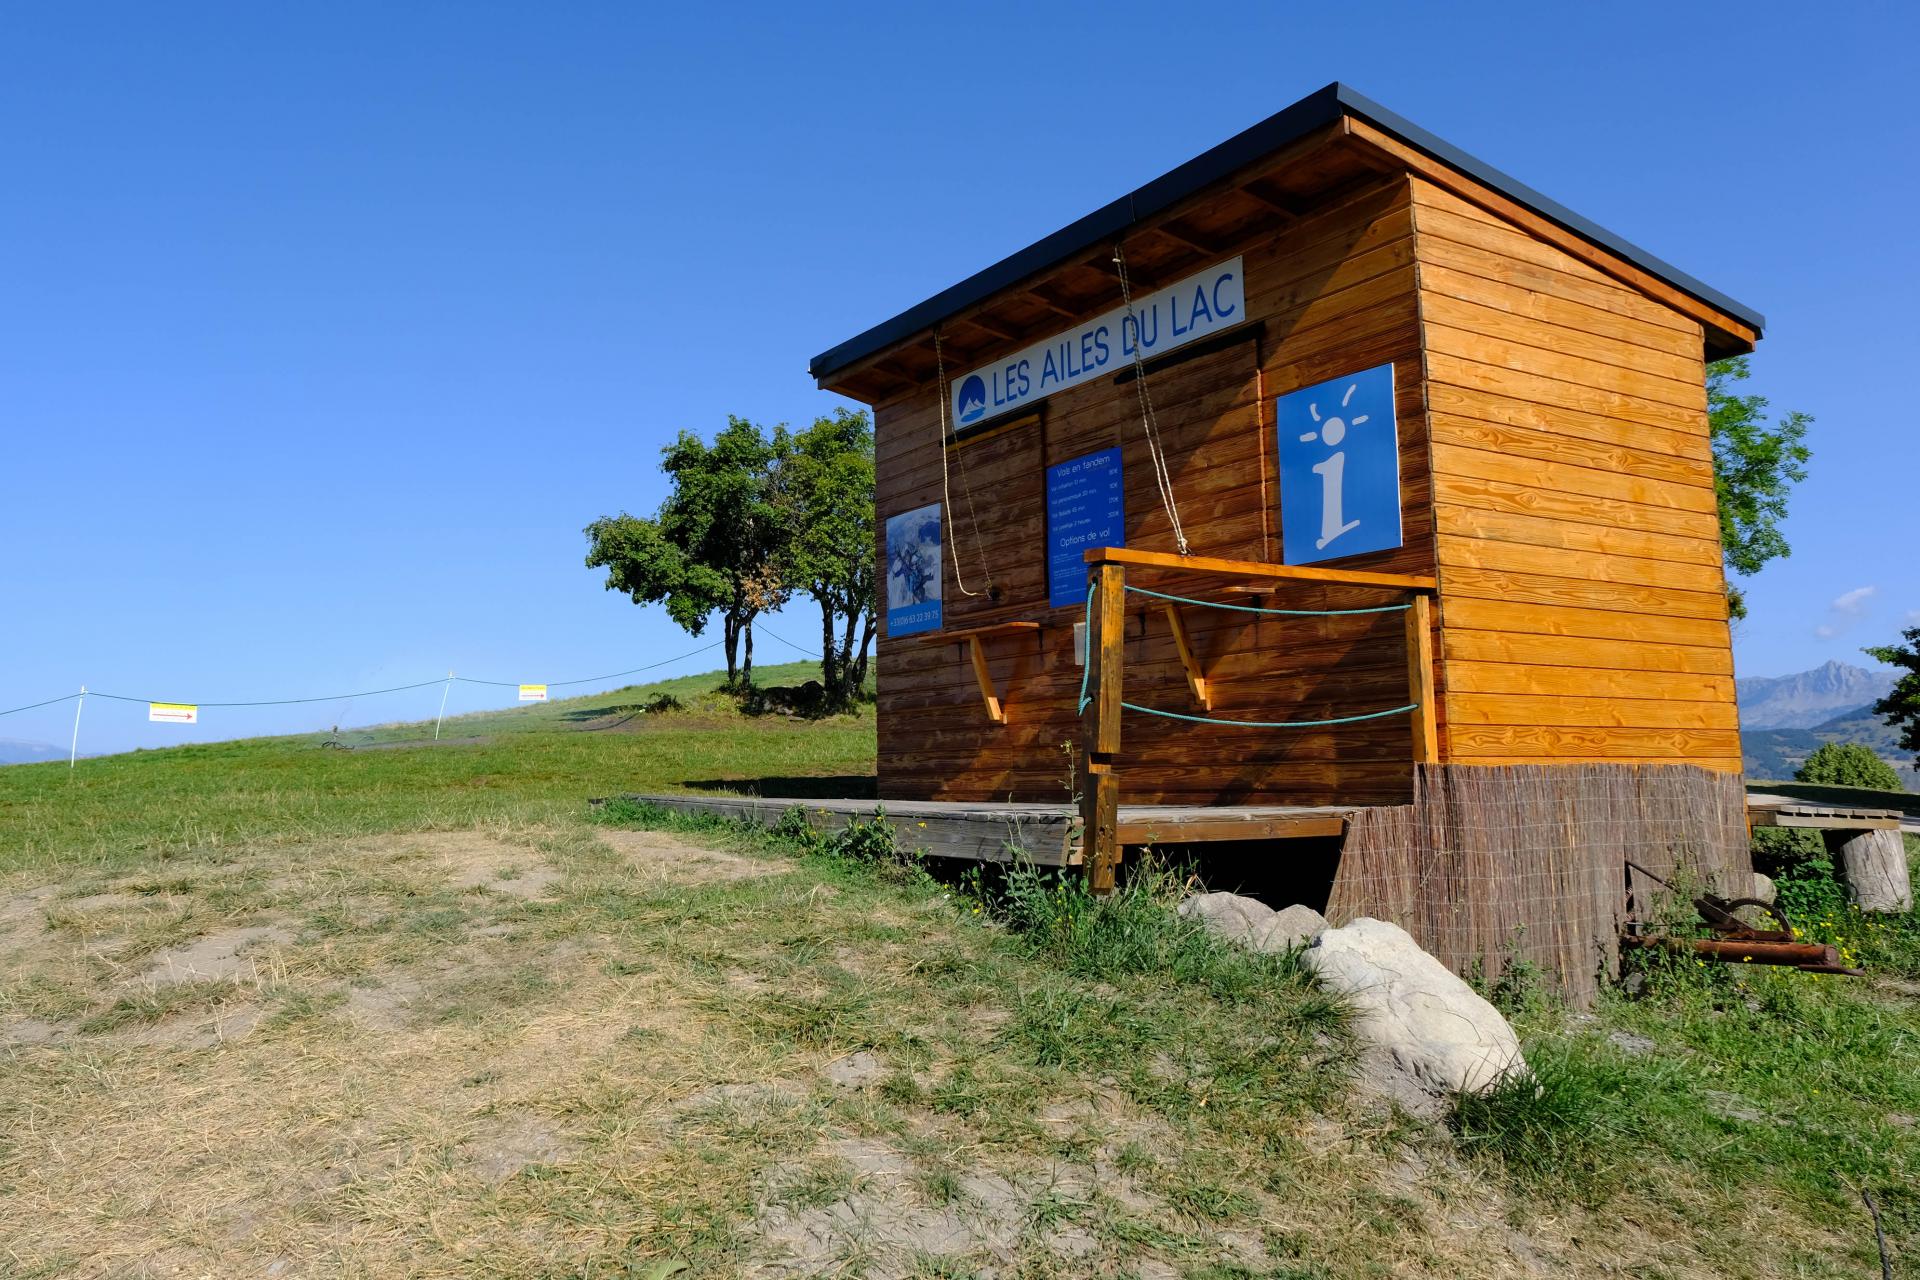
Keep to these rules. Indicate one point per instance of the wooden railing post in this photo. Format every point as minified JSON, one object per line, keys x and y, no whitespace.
{"x":1100,"y":727}
{"x":1426,"y":736}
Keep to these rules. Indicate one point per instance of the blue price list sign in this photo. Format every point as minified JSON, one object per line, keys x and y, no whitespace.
{"x":1084,"y":509}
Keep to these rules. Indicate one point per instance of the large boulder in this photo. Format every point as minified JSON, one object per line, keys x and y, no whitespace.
{"x":1250,"y":923}
{"x":1421,"y":1020}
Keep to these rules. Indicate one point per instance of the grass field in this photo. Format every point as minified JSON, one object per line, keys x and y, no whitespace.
{"x":270,"y":1008}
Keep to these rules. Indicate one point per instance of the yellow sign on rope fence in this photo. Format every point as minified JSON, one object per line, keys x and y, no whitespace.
{"x":173,"y":712}
{"x":533,"y":693}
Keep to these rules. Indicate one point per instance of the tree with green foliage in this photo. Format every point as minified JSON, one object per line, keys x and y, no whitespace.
{"x":713,"y":547}
{"x":1755,"y":466}
{"x":1848,"y":764}
{"x":1901,"y":707}
{"x":824,"y":491}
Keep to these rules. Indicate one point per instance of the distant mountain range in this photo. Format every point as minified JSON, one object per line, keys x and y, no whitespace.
{"x":1784,"y":719}
{"x":1809,"y":698}
{"x":12,"y":752}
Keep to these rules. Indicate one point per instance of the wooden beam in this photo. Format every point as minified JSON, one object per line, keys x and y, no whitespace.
{"x":1051,"y":301}
{"x":1180,"y":235}
{"x":999,"y":332}
{"x":1196,"y":680}
{"x":995,"y":712}
{"x":1100,"y":728}
{"x":1259,"y":569}
{"x":1305,"y":826}
{"x":1426,"y":736}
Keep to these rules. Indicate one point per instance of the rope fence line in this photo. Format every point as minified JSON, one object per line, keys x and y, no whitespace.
{"x":1086,"y":670}
{"x":447,"y":681}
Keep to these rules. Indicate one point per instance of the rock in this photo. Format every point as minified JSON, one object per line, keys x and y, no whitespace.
{"x":1631,"y":1044}
{"x":1295,"y":926}
{"x":1763,"y":888}
{"x":1430,"y":1026}
{"x":1229,"y":916}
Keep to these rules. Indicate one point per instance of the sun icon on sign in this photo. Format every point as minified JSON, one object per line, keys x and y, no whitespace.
{"x":1333,"y":430}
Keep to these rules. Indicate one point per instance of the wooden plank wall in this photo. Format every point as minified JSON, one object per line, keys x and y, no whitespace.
{"x":1583,"y":602}
{"x":1492,"y":865}
{"x":1332,"y":293}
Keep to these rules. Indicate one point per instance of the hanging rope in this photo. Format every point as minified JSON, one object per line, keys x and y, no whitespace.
{"x":1149,"y":423}
{"x":946,"y":494}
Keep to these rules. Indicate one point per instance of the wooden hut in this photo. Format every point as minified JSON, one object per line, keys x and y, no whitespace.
{"x":1333,"y":467}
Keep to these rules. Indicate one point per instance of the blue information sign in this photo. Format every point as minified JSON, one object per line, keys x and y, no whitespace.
{"x":1084,"y":509}
{"x":1339,"y":468}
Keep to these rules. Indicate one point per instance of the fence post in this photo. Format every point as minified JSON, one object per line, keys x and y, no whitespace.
{"x":1100,"y":727}
{"x":73,"y":750}
{"x":1419,"y":619}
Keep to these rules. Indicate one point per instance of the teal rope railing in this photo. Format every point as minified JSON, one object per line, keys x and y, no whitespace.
{"x":1086,"y":668}
{"x":1272,"y":724}
{"x":1285,"y":613}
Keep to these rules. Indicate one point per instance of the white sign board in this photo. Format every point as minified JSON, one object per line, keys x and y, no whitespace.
{"x":1213,"y":300}
{"x":173,"y":712}
{"x":533,"y":693}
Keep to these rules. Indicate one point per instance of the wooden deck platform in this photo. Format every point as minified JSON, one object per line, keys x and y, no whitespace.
{"x":1767,"y":810}
{"x":1048,"y":834}
{"x":1045,"y":834}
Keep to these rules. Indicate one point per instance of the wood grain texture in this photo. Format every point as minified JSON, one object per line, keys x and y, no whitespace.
{"x":1332,"y":293}
{"x":1576,"y":528}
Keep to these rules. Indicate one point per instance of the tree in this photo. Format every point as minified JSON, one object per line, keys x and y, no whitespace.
{"x":824,"y":489}
{"x":714,"y":545}
{"x":1848,"y":764}
{"x":1901,"y":707}
{"x":1755,"y":467}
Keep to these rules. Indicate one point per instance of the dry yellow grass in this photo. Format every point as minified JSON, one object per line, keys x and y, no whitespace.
{"x":566,"y":1052}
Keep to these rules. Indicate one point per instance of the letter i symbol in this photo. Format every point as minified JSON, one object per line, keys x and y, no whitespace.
{"x":1333,"y":471}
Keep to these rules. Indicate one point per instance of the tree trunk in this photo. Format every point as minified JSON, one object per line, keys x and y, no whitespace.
{"x":831,"y":670}
{"x":733,"y":642}
{"x":1874,"y":866}
{"x":746,"y":667}
{"x":857,"y":668}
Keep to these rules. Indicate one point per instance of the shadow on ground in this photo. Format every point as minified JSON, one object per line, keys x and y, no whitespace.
{"x":842,"y":786}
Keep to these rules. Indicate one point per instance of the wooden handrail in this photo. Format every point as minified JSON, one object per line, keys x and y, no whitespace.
{"x":1260,"y":569}
{"x":1101,"y":710}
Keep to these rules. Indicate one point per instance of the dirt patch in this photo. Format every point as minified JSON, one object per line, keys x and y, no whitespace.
{"x":473,"y":860}
{"x":855,"y":1071}
{"x":196,"y":1031}
{"x":512,"y":1143}
{"x":659,"y":856}
{"x":229,"y":955}
{"x":388,"y":1006}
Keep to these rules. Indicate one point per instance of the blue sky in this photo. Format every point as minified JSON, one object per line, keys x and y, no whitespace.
{"x":323,"y":331}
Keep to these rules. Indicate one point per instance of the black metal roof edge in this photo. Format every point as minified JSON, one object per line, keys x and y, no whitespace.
{"x":1283,"y":127}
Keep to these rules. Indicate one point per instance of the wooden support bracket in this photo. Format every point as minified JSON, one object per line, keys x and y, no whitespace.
{"x":1196,"y":679}
{"x":975,"y":639}
{"x":995,"y":712}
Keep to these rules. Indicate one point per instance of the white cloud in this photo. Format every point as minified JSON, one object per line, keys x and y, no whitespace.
{"x":1853,"y":602}
{"x":1843,"y":611}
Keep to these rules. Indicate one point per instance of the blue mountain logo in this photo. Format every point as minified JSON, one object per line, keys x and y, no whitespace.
{"x":972,"y":398}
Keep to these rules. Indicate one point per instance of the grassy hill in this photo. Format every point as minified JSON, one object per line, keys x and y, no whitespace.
{"x":1776,"y":753}
{"x":529,"y":763}
{"x":278,"y":1008}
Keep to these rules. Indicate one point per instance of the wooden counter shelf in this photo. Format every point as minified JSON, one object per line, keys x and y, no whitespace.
{"x":974,"y":638}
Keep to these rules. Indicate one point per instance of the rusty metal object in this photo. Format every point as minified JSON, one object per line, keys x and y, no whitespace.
{"x":1722,"y":914}
{"x":1813,"y":957}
